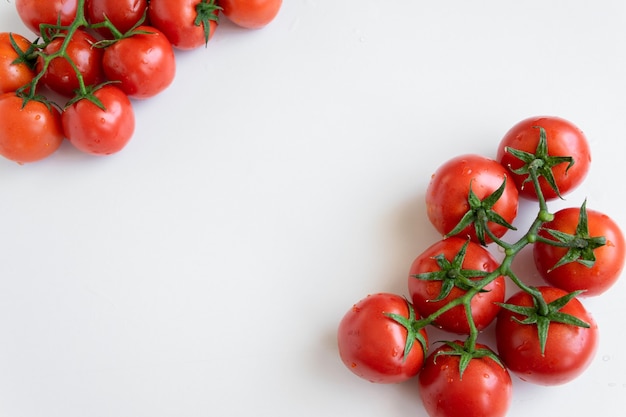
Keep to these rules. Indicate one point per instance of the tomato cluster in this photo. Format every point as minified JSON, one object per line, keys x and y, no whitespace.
{"x":92,"y":59}
{"x":544,"y":334}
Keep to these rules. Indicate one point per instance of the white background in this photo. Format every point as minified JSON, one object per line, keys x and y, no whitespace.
{"x":203,"y":270}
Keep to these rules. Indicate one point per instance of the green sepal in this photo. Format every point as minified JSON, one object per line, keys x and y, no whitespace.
{"x":466,"y":355}
{"x":413,"y":328}
{"x":205,"y":13}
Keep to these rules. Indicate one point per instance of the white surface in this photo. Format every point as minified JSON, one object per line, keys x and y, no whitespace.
{"x":204,"y":269}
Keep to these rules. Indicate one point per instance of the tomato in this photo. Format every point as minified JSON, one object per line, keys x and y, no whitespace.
{"x":578,"y":275}
{"x":28,"y":133}
{"x":484,"y":390}
{"x":124,"y":14}
{"x":144,"y":63}
{"x":177,"y":20}
{"x":447,"y":196}
{"x":569,"y":349}
{"x":35,"y":12}
{"x":96,"y":131}
{"x":13,"y":75}
{"x":372,"y":344}
{"x":452,"y":277}
{"x":250,"y":14}
{"x":60,"y":76}
{"x":563,"y":139}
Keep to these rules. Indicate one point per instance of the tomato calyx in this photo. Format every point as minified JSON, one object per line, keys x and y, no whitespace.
{"x":117,"y":35}
{"x":413,"y":328}
{"x":28,"y":56}
{"x":466,"y":354}
{"x":205,"y":14}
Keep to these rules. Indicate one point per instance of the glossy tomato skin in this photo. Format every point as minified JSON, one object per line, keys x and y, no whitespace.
{"x":143,"y":64}
{"x":485,"y":390}
{"x":13,"y":76}
{"x":569,"y":349}
{"x":371,"y":344}
{"x":175,"y":18}
{"x":563,"y":139}
{"x":423,"y":292}
{"x":448,"y":191}
{"x":96,"y":131}
{"x":35,"y":12}
{"x":250,"y":14}
{"x":28,"y":134}
{"x":124,"y":14}
{"x":575,"y":276}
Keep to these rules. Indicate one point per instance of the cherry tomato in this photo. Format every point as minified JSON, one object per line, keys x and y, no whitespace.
{"x":177,"y":20}
{"x":484,"y":390}
{"x":448,"y":192}
{"x":60,"y":76}
{"x":30,"y":133}
{"x":372,"y":344}
{"x":35,"y":12}
{"x":563,"y":139}
{"x":457,"y":270}
{"x":250,"y":14}
{"x":569,"y":349}
{"x":12,"y":75}
{"x":124,"y":14}
{"x":573,"y":276}
{"x":96,"y":131}
{"x":144,"y":63}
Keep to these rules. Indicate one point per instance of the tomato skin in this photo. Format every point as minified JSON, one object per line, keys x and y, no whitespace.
{"x":563,"y":138}
{"x":175,"y":18}
{"x":96,"y":131}
{"x":124,"y":14}
{"x":569,"y":349}
{"x":28,"y":134}
{"x":422,"y":292}
{"x":371,"y":345}
{"x":13,"y":76}
{"x":575,"y":276}
{"x":35,"y":12}
{"x":60,"y":76}
{"x":144,"y":64}
{"x":250,"y":14}
{"x":448,"y":190}
{"x":484,"y":391}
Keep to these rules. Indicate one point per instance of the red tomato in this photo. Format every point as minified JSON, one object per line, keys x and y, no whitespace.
{"x":449,"y":188}
{"x":372,"y":344}
{"x":250,"y":14}
{"x":144,"y":63}
{"x":485,"y":389}
{"x":28,"y":133}
{"x":96,"y":131}
{"x":573,"y":276}
{"x":60,"y":76}
{"x":177,"y":20}
{"x":563,"y":140}
{"x":424,"y":292}
{"x":13,"y":76}
{"x":569,"y":349}
{"x":35,"y":12}
{"x":124,"y":14}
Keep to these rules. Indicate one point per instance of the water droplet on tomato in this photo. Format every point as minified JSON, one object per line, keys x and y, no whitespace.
{"x":353,"y":365}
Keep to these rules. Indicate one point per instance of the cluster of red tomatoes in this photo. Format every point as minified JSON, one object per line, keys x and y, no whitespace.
{"x":94,"y":57}
{"x":544,"y":334}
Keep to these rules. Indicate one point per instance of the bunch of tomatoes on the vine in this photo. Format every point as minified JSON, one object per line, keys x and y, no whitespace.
{"x":544,"y":334}
{"x":91,"y":59}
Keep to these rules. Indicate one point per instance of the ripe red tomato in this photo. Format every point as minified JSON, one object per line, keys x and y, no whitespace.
{"x":372,"y":344}
{"x":569,"y":349}
{"x":96,"y":131}
{"x":13,"y":76}
{"x":124,"y":14}
{"x":250,"y":14}
{"x":449,"y":188}
{"x":28,"y":133}
{"x":457,"y":271}
{"x":177,"y":20}
{"x":485,"y":389}
{"x":144,"y":63}
{"x":60,"y":76}
{"x":35,"y":12}
{"x":573,"y":276}
{"x":563,"y":139}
